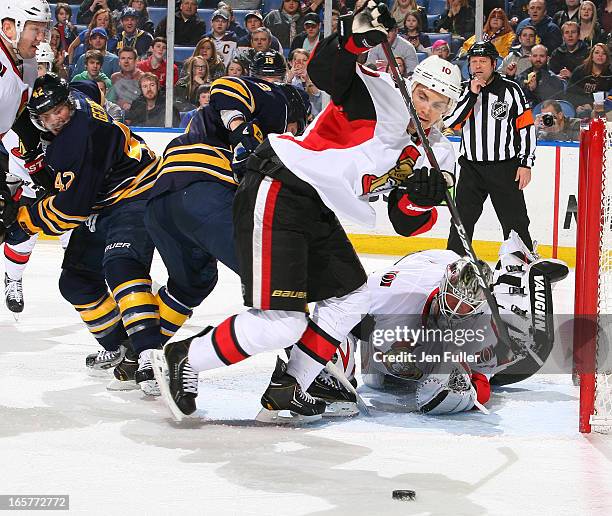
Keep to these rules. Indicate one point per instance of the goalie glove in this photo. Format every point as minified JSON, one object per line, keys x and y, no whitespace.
{"x":244,"y":139}
{"x":447,"y":393}
{"x":367,"y":28}
{"x":427,"y":186}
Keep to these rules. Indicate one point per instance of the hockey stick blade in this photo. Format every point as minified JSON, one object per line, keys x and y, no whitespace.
{"x":504,"y":336}
{"x":341,"y":377}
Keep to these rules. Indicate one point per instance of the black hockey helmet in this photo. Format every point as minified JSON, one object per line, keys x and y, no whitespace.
{"x":268,"y":63}
{"x":483,"y":49}
{"x":49,"y":90}
{"x":298,"y":106}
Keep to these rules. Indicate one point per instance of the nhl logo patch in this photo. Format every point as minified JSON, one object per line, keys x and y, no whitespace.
{"x":499,"y":110}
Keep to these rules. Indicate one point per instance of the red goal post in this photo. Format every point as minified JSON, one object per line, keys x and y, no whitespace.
{"x":593,"y":294}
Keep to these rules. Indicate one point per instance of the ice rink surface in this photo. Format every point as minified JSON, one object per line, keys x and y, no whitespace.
{"x":61,"y":432}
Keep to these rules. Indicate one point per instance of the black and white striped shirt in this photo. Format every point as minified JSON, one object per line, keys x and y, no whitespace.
{"x":496,"y":124}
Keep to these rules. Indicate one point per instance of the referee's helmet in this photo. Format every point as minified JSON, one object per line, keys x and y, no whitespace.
{"x":483,"y":49}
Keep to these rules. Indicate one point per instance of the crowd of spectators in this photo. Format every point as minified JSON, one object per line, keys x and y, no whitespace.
{"x":556,"y":50}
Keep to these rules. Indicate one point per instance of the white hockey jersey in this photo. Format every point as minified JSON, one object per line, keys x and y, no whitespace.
{"x":14,"y":89}
{"x":347,"y":161}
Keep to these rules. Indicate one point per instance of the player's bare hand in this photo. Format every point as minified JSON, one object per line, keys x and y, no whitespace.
{"x":523,"y":176}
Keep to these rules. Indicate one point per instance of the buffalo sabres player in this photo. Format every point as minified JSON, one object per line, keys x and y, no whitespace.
{"x":189,"y":212}
{"x":291,"y":248}
{"x":428,"y":333}
{"x":103,"y":176}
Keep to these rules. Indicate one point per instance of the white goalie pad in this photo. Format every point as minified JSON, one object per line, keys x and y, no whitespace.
{"x":446,"y":393}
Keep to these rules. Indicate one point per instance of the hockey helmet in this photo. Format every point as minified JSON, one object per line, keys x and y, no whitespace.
{"x":268,"y":63}
{"x":298,"y":106}
{"x":49,"y":91}
{"x":441,"y":76}
{"x":460,"y":293}
{"x":483,"y":49}
{"x":21,"y":12}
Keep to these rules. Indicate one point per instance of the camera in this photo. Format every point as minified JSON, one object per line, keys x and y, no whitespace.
{"x":548,"y":119}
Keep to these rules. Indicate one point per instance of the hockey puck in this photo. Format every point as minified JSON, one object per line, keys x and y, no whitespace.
{"x":403,"y":494}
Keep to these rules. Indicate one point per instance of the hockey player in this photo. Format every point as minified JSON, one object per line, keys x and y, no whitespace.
{"x":191,"y":235}
{"x":103,"y":175}
{"x":24,"y":24}
{"x":428,"y":332}
{"x":291,"y":247}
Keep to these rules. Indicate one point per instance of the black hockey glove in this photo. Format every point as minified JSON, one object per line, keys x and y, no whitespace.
{"x":367,"y":28}
{"x":8,"y":212}
{"x":244,"y":139}
{"x":40,"y":173}
{"x":427,"y":186}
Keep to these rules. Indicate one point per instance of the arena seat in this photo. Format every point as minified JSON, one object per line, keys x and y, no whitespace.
{"x":182,"y":53}
{"x":436,"y":7}
{"x":156,"y":14}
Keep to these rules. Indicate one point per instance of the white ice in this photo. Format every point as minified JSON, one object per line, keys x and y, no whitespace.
{"x":61,"y":432}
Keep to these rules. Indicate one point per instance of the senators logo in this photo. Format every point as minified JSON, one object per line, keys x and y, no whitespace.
{"x":372,"y":184}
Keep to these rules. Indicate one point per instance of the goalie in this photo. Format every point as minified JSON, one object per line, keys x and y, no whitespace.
{"x":428,"y":331}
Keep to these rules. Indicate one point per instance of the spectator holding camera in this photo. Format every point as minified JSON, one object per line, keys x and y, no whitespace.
{"x":552,"y":124}
{"x":571,"y":54}
{"x":538,"y":82}
{"x":594,"y":75}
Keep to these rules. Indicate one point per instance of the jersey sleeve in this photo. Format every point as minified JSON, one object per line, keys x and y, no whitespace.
{"x":12,"y":97}
{"x":525,"y":128}
{"x":462,"y":110}
{"x":232,"y":98}
{"x":78,"y":182}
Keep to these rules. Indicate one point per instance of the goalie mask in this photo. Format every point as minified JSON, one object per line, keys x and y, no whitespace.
{"x":460,"y":293}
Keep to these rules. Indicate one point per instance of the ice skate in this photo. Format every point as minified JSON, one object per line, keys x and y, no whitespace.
{"x":144,"y":374}
{"x":99,"y":363}
{"x":124,"y":374}
{"x":340,"y":401}
{"x":13,"y":295}
{"x":284,"y":401}
{"x":178,"y":382}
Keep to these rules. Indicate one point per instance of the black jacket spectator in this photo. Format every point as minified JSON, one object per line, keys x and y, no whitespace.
{"x":298,"y":42}
{"x":549,"y":33}
{"x":138,"y":115}
{"x":549,"y":86}
{"x":584,"y":83}
{"x":285,"y":26}
{"x":86,"y":12}
{"x":518,"y":10}
{"x":563,"y":58}
{"x":561,"y":16}
{"x":187,"y":32}
{"x":461,"y":24}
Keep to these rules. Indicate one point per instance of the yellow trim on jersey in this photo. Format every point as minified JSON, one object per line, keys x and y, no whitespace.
{"x":131,"y":283}
{"x":241,"y":92}
{"x":129,"y":322}
{"x":172,"y":316}
{"x":95,"y":313}
{"x":135,"y":299}
{"x":61,"y":214}
{"x":222,"y":162}
{"x":90,"y":305}
{"x":218,"y":175}
{"x":65,"y":226}
{"x":142,"y":182}
{"x":25,"y":221}
{"x":102,"y":327}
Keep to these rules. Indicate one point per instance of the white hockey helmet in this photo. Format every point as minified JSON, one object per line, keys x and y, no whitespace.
{"x":44,"y":54}
{"x":21,"y":12}
{"x":439,"y":75}
{"x":460,"y":293}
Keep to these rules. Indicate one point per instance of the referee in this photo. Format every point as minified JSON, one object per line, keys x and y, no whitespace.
{"x":497,"y":148}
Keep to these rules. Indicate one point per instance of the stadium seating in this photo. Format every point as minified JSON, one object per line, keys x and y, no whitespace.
{"x":182,"y":53}
{"x":436,"y":7}
{"x":434,"y":36}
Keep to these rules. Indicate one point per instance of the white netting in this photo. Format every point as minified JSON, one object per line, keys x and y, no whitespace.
{"x":601,"y":421}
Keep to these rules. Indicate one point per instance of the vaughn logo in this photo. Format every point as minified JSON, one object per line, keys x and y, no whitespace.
{"x":499,"y":110}
{"x":539,"y":304}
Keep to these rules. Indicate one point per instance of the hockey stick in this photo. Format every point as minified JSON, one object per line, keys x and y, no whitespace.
{"x":339,"y":375}
{"x":504,"y":336}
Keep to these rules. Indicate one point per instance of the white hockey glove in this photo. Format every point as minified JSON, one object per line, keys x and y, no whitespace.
{"x":446,"y":393}
{"x":367,"y":28}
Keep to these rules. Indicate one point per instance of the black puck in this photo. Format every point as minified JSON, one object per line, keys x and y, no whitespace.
{"x":403,"y":494}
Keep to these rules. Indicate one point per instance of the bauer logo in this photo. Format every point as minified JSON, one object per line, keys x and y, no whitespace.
{"x":117,"y":245}
{"x":289,"y":293}
{"x":499,"y":110}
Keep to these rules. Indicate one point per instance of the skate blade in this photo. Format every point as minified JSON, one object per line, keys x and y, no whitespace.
{"x":284,"y":417}
{"x":16,"y":316}
{"x":341,"y":409}
{"x":160,"y":370}
{"x":118,"y":385}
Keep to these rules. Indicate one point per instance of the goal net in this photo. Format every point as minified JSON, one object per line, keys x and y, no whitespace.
{"x":593,"y":295}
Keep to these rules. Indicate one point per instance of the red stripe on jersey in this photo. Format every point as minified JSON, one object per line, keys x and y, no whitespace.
{"x":16,"y":257}
{"x":318,"y":344}
{"x":225,"y":343}
{"x":482,"y":386}
{"x":266,"y":244}
{"x":11,"y":60}
{"x":427,"y":307}
{"x":333,"y":130}
{"x":368,"y":71}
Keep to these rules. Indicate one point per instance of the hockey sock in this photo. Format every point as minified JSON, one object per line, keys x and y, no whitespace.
{"x":245,"y":334}
{"x":137,"y":304}
{"x":314,"y":349}
{"x":103,"y":320}
{"x":16,"y":257}
{"x":172,"y":313}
